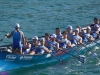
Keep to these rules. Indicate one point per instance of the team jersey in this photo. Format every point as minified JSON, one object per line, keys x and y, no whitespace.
{"x":64,"y":43}
{"x":17,"y":37}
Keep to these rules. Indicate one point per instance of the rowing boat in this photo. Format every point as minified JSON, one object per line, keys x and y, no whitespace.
{"x":9,"y":61}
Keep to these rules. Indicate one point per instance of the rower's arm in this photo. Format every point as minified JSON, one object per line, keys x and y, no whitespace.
{"x":47,"y":50}
{"x":23,"y":38}
{"x":10,"y":35}
{"x":57,"y":46}
{"x":32,"y":52}
{"x":91,"y":38}
{"x":80,"y":40}
{"x":69,"y":44}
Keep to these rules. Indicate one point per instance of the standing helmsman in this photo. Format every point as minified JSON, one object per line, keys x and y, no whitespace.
{"x":18,"y":37}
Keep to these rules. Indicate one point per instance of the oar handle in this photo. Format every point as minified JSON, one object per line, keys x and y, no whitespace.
{"x":3,"y":38}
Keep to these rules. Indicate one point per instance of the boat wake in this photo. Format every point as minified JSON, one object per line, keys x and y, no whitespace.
{"x":6,"y":66}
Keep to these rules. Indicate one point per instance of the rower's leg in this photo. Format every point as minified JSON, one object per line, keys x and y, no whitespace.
{"x":20,"y":50}
{"x":13,"y":50}
{"x":32,"y":52}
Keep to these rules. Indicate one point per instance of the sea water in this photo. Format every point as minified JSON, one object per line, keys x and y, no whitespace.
{"x":37,"y":17}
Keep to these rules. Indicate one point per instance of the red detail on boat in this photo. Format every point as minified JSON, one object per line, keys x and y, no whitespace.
{"x":61,"y":52}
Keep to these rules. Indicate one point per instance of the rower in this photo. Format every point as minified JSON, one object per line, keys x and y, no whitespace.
{"x":76,"y":39}
{"x":34,"y":44}
{"x":53,"y":45}
{"x":69,"y":29}
{"x":26,"y":47}
{"x":82,"y":34}
{"x":96,"y":31}
{"x":47,"y":39}
{"x":35,"y":41}
{"x":58,"y":34}
{"x":96,"y":21}
{"x":65,"y":43}
{"x":80,"y":30}
{"x":43,"y":47}
{"x":88,"y":35}
{"x":79,"y":27}
{"x":40,"y":49}
{"x":17,"y":37}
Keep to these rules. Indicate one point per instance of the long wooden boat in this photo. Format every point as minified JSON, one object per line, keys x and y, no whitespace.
{"x":9,"y":61}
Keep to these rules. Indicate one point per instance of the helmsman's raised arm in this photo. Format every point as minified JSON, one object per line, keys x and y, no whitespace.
{"x":9,"y":35}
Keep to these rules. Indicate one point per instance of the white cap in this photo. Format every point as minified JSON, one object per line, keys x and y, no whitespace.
{"x":96,"y":25}
{"x":35,"y":37}
{"x":42,"y":39}
{"x":89,"y":27}
{"x":17,"y":25}
{"x":77,"y":29}
{"x":69,"y":26}
{"x":53,"y":36}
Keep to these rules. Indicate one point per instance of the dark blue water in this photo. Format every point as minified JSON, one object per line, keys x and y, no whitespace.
{"x":37,"y":17}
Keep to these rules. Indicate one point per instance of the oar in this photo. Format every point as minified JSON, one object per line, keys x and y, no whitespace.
{"x":97,"y":42}
{"x":3,"y":38}
{"x":94,"y":54}
{"x":81,"y":58}
{"x":59,"y":59}
{"x":75,"y":49}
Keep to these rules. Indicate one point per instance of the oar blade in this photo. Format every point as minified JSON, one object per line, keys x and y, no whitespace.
{"x":82,"y":58}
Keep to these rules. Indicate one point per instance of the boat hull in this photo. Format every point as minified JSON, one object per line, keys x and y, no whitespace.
{"x":10,"y":61}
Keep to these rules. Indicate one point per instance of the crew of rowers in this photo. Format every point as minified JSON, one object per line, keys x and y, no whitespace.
{"x":62,"y":40}
{"x":54,"y":42}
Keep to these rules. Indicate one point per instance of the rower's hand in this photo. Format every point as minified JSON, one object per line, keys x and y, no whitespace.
{"x":6,"y":35}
